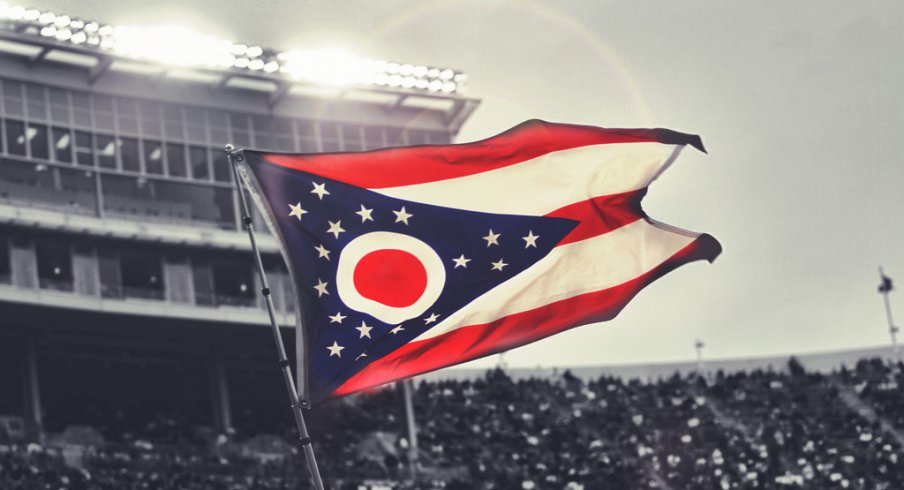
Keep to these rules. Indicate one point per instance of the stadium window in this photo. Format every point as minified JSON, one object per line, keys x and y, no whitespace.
{"x":102,"y":106}
{"x":351,"y":138}
{"x":81,"y":109}
{"x":202,"y":204}
{"x":395,"y":137}
{"x":54,"y":265}
{"x":13,"y":103}
{"x":108,"y":270}
{"x":263,"y":133}
{"x":417,"y":138}
{"x":15,"y":138}
{"x":307,"y":136}
{"x":222,"y":171}
{"x":37,"y":103}
{"x":195,"y":124}
{"x":285,"y":134}
{"x":62,"y":145}
{"x":150,"y":118}
{"x":153,"y":157}
{"x":233,"y":282}
{"x":200,"y":164}
{"x":129,"y":196}
{"x":172,"y":122}
{"x":37,"y":140}
{"x":329,"y":137}
{"x":175,"y":160}
{"x":203,"y":282}
{"x":241,"y":131}
{"x":128,"y":151}
{"x":59,"y":106}
{"x":127,"y":115}
{"x":105,"y":146}
{"x":373,"y":137}
{"x":142,"y":274}
{"x":5,"y":270}
{"x":84,"y":155}
{"x":79,"y":189}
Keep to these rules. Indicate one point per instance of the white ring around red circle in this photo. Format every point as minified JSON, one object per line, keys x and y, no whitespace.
{"x":386,"y":240}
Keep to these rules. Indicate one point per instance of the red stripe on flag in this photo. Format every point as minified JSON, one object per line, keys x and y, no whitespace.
{"x":471,"y":342}
{"x":601,"y":214}
{"x":420,"y":164}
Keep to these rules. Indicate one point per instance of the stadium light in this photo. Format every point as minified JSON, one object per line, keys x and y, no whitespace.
{"x":183,"y":47}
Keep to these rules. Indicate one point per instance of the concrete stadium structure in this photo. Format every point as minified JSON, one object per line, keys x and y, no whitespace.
{"x":126,"y":282}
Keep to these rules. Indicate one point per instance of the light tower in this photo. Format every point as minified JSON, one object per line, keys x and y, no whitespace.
{"x":698,"y":345}
{"x":885,"y":287}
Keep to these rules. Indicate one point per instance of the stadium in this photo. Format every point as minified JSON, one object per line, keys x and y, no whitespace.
{"x":135,"y":350}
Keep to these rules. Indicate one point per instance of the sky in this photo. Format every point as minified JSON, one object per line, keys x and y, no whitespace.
{"x":800,"y":105}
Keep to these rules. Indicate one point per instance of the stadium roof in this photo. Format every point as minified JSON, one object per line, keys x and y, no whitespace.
{"x":183,"y":54}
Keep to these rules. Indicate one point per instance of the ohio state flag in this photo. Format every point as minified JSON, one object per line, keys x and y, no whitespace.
{"x":408,"y":260}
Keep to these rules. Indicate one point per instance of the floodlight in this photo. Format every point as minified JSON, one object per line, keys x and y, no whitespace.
{"x":17,"y":13}
{"x":254,"y":51}
{"x":182,"y":47}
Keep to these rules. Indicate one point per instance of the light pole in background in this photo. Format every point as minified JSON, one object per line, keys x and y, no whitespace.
{"x":699,"y":346}
{"x":886,"y":287}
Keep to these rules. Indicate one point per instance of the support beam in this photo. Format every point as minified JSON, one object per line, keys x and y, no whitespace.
{"x":34,"y":420}
{"x":222,"y":410}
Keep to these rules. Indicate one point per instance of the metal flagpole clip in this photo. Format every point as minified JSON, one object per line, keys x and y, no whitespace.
{"x":234,"y":154}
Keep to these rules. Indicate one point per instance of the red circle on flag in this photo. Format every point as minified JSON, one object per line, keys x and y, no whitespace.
{"x":392,"y":277}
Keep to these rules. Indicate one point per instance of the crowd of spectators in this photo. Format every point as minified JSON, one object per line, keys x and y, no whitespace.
{"x":766,"y":429}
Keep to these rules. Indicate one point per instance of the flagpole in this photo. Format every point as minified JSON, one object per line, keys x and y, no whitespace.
{"x":303,"y":438}
{"x":412,"y":428}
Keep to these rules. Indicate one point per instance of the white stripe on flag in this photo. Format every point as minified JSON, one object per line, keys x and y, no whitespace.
{"x":570,"y":270}
{"x":546,"y":183}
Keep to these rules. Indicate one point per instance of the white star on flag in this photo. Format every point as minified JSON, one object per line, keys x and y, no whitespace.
{"x":365,"y":330}
{"x":320,"y":190}
{"x":430,"y":319}
{"x":365,"y":214}
{"x":323,"y":252}
{"x":402,"y":215}
{"x":498,"y":266}
{"x":361,"y":355}
{"x":335,"y":349}
{"x":338,"y":317}
{"x":335,"y":228}
{"x":397,"y":329}
{"x":321,"y":287}
{"x":531,"y":239}
{"x":296,"y":211}
{"x":461,"y":261}
{"x":492,"y":238}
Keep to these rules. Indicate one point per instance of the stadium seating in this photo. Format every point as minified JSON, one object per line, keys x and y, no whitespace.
{"x":787,"y":429}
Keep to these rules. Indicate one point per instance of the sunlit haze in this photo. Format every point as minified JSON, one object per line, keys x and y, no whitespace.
{"x":799,"y":105}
